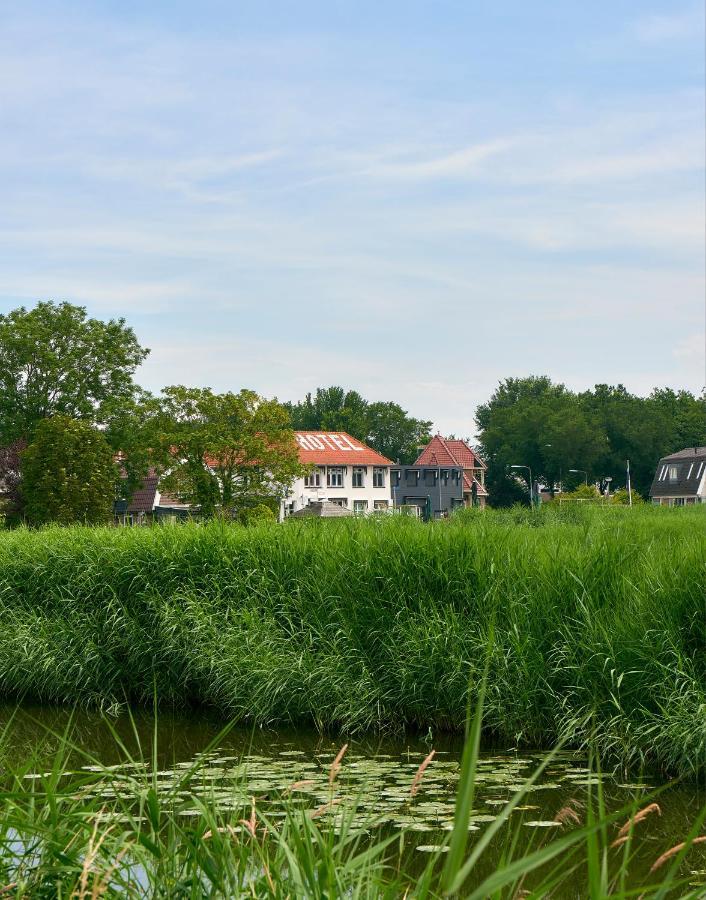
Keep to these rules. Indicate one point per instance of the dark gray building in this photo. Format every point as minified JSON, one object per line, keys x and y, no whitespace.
{"x":680,"y":478}
{"x":432,"y":492}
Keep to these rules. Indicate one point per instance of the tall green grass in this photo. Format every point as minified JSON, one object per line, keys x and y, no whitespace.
{"x":599,"y":619}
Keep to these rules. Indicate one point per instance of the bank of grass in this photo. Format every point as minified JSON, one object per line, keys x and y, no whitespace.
{"x":599,"y":620}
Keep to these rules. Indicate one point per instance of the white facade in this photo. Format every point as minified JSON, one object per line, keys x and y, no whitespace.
{"x":345,"y":472}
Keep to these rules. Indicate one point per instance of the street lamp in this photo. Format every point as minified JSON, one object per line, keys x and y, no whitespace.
{"x":531,"y":492}
{"x":581,"y":472}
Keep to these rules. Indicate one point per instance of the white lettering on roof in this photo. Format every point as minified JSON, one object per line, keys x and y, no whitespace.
{"x":331,"y":440}
{"x":351,"y":444}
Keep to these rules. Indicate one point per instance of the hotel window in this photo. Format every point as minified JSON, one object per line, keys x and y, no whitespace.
{"x":335,"y":476}
{"x":360,"y":506}
{"x":378,"y":478}
{"x":313,"y":480}
{"x":673,"y":473}
{"x":340,"y":501}
{"x":381,"y":504}
{"x":358,"y":476}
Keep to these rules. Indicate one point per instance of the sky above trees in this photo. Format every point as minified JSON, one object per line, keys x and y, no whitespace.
{"x":414,"y":200}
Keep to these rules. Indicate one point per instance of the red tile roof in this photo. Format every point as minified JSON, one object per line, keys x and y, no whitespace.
{"x":335,"y":448}
{"x":453,"y":452}
{"x":449,"y":452}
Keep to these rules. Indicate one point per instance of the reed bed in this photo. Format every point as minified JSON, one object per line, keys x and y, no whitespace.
{"x":129,"y":830}
{"x":598,"y":619}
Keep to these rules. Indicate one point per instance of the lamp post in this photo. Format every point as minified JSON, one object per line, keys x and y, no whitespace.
{"x":531,"y":487}
{"x":581,"y":472}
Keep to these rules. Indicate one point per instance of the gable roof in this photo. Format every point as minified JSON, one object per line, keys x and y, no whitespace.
{"x":449,"y":452}
{"x":691,"y":467}
{"x":335,"y":448}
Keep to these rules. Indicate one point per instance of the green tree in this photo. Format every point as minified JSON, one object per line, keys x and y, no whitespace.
{"x":536,"y":423}
{"x":395,"y":434}
{"x":68,"y":473}
{"x":56,"y":361}
{"x":222,"y":452}
{"x":385,"y":426}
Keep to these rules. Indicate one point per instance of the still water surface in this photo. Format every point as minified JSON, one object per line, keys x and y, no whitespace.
{"x":376,"y":774}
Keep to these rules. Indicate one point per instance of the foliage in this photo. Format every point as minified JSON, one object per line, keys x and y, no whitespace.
{"x":56,"y":361}
{"x":11,"y":499}
{"x":582,"y":492}
{"x":386,"y":427}
{"x":258,"y":514}
{"x":68,"y":474}
{"x":535,"y":422}
{"x":622,"y":498}
{"x":597,"y":610}
{"x":221,"y":451}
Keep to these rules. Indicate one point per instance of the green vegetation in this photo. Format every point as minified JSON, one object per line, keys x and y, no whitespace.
{"x":536,"y":423}
{"x":224,"y":452}
{"x":598,"y":617}
{"x":83,"y":829}
{"x":68,"y":473}
{"x":54,"y":361}
{"x":384,"y":426}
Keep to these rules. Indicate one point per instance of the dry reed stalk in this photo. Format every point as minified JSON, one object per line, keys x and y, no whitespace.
{"x":93,"y":847}
{"x":567,"y":814}
{"x":668,"y":854}
{"x":225,"y":829}
{"x":299,"y":785}
{"x":420,"y":773}
{"x":103,"y":883}
{"x":638,"y":817}
{"x":320,"y":810}
{"x":251,"y":823}
{"x":336,"y":765}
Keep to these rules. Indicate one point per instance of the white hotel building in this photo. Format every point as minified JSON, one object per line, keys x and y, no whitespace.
{"x":345,"y":471}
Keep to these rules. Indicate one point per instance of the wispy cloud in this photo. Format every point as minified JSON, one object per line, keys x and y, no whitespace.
{"x":673,"y":26}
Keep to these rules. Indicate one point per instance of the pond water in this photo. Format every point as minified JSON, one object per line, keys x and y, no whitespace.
{"x":376,"y":774}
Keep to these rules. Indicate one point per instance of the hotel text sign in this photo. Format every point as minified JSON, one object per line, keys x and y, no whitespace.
{"x":332,"y":441}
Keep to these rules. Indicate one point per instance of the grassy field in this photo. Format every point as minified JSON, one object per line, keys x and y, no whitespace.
{"x":598,"y":622}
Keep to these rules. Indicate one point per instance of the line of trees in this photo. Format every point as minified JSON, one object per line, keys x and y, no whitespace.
{"x":77,"y":431}
{"x":537,"y":423}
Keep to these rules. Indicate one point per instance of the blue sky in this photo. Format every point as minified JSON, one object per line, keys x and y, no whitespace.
{"x":415,"y":199}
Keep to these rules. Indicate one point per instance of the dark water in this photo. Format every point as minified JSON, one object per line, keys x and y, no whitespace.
{"x":376,"y":775}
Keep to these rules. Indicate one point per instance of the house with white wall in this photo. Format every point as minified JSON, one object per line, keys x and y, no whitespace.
{"x":343,"y":470}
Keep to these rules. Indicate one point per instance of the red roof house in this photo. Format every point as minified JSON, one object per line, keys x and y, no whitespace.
{"x":453,"y":452}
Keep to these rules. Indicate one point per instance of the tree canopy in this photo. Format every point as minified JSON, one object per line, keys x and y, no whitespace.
{"x":221,"y":452}
{"x":68,"y":474}
{"x":54,"y":360}
{"x":537,"y":423}
{"x":384,"y":426}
